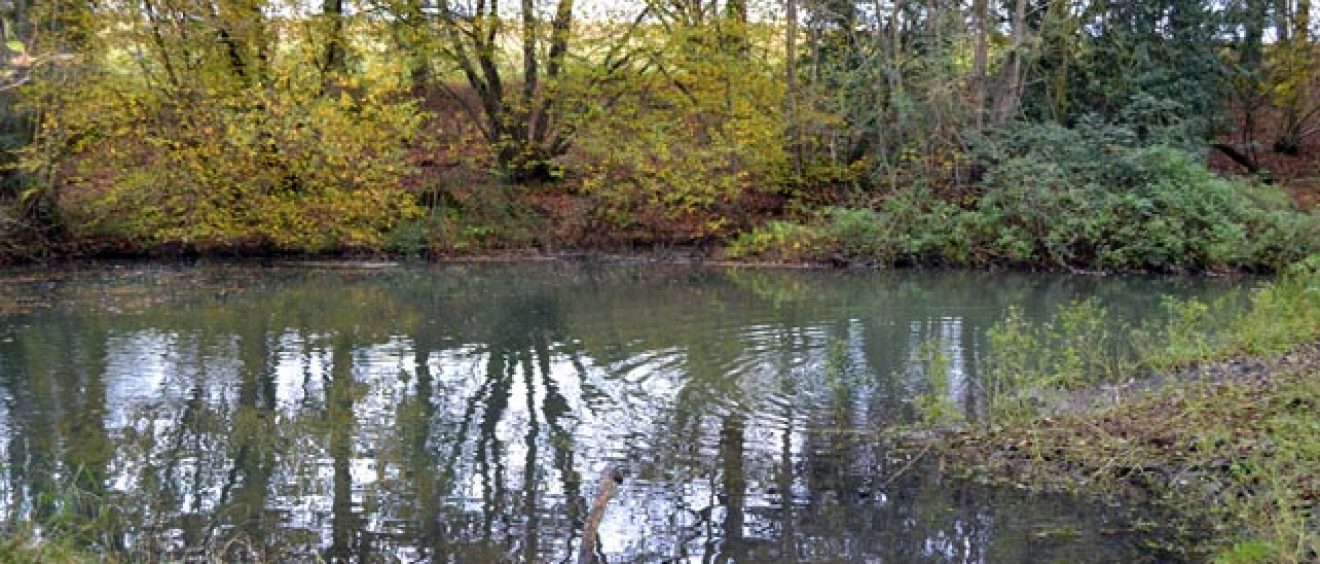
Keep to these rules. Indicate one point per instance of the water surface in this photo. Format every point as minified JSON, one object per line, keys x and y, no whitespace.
{"x":464,"y":413}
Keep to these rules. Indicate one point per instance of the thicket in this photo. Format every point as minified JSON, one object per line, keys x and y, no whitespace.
{"x":1043,"y":133}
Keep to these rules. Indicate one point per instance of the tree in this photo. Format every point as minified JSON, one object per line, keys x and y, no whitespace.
{"x":335,"y":61}
{"x":791,"y":83}
{"x":39,"y":41}
{"x":522,"y":127}
{"x":208,"y":136}
{"x":980,"y":60}
{"x":1011,"y":94}
{"x":1294,"y":77}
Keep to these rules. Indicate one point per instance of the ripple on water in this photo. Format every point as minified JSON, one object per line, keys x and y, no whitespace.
{"x":466,"y":413}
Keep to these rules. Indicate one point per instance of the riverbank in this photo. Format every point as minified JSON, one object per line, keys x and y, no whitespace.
{"x":1225,"y":435}
{"x":1234,"y":452}
{"x":715,"y":256}
{"x":1158,"y":210}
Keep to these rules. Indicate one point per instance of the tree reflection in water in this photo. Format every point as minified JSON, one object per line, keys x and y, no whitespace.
{"x":451,"y":413}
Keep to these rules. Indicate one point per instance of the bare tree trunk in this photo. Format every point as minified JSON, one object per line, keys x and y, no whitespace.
{"x":813,"y":32}
{"x":485,"y":32}
{"x":1254,"y":29}
{"x":932,"y":19}
{"x":896,"y":30}
{"x":1283,"y":30}
{"x":1057,"y":89}
{"x":529,"y":52}
{"x":522,"y":129}
{"x":1253,"y":96}
{"x":561,"y":29}
{"x":1013,"y":79}
{"x":790,"y":84}
{"x":1302,"y":22}
{"x":1300,"y":70}
{"x":980,"y":54}
{"x":884,"y":111}
{"x":22,"y":24}
{"x":334,"y":47}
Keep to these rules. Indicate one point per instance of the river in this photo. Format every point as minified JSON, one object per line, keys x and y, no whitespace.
{"x":464,"y":412}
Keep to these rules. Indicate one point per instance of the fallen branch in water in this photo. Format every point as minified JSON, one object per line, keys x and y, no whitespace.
{"x":610,"y":479}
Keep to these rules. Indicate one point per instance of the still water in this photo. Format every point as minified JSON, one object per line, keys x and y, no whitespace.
{"x":464,"y":413}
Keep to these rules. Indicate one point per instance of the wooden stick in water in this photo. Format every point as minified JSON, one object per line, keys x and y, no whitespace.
{"x":610,"y":479}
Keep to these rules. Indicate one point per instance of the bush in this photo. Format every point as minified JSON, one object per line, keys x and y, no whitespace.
{"x":278,"y":171}
{"x":1065,"y":198}
{"x":269,"y":153}
{"x":1100,"y":199}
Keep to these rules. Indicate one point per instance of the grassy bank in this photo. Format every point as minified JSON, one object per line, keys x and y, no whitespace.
{"x":1214,"y":415}
{"x":1238,"y":460}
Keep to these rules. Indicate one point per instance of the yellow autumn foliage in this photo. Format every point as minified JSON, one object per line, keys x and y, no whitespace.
{"x":283,"y":157}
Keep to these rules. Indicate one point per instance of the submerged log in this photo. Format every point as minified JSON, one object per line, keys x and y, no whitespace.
{"x":610,"y":479}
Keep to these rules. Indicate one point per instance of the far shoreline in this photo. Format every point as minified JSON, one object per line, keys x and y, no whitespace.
{"x":677,"y":255}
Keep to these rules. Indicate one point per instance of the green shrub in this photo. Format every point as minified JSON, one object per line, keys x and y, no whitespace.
{"x":1094,"y":196}
{"x":1067,"y":199}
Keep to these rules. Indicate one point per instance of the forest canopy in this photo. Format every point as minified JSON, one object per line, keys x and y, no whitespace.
{"x":1127,"y":135}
